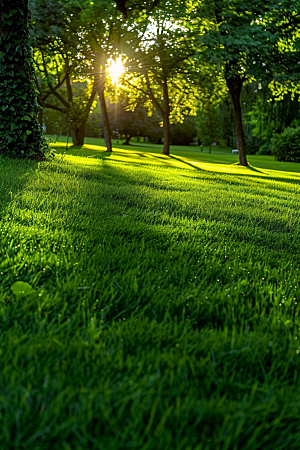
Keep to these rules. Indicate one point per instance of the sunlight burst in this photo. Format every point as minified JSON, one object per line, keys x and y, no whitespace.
{"x":116,"y":69}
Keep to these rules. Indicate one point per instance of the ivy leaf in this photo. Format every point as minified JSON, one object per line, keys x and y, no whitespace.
{"x":21,"y":288}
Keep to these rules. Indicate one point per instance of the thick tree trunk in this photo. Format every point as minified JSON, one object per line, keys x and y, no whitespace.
{"x":20,"y":133}
{"x":104,"y":114}
{"x":235,"y":87}
{"x":78,"y":136}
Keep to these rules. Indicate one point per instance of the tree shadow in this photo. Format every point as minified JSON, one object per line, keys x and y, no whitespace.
{"x":15,"y":174}
{"x":188,"y":164}
{"x":254,"y":169}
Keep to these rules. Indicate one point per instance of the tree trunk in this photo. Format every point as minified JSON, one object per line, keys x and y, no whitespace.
{"x":20,"y":133}
{"x":166,"y":125}
{"x":163,"y":110}
{"x":78,"y":136}
{"x":104,"y":114}
{"x":166,"y":118}
{"x":235,"y":87}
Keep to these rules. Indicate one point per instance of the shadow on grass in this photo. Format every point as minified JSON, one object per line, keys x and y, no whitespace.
{"x":146,"y":157}
{"x":188,"y":164}
{"x":106,"y":192}
{"x":272,"y":233}
{"x":254,"y":169}
{"x":15,"y":174}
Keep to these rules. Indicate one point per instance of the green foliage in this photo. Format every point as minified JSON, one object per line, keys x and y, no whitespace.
{"x":154,"y":131}
{"x":165,"y":308}
{"x":20,"y":133}
{"x":286,"y":146}
{"x":128,"y":123}
{"x":184,"y":133}
{"x":78,"y":113}
{"x":93,"y":127}
{"x":254,"y":40}
{"x":209,"y":125}
{"x":54,"y":122}
{"x":271,"y":115}
{"x":265,"y":149}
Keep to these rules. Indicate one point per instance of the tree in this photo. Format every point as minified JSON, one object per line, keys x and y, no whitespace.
{"x":59,"y":65}
{"x":100,"y":30}
{"x":20,"y":133}
{"x":159,"y":64}
{"x":249,"y":40}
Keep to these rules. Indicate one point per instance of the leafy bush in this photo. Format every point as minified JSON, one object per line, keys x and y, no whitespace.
{"x":265,"y":149}
{"x":286,"y":146}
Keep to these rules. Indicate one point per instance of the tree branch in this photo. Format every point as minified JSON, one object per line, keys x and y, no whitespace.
{"x":56,"y":108}
{"x":58,"y":96}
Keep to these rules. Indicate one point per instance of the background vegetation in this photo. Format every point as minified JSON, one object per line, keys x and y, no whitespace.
{"x":174,"y":71}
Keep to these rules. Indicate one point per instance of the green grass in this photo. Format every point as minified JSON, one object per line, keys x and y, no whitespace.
{"x":164,"y":311}
{"x":185,"y":157}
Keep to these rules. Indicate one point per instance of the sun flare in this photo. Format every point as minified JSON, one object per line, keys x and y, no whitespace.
{"x":116,"y":69}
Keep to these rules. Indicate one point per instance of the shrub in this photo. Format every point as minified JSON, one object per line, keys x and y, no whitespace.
{"x":286,"y":146}
{"x":265,"y":149}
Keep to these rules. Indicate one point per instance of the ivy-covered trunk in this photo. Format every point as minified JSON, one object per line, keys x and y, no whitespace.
{"x":20,"y":133}
{"x":235,"y":88}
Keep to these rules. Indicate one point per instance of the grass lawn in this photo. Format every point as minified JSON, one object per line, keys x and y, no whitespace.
{"x":221,"y":160}
{"x":164,"y":310}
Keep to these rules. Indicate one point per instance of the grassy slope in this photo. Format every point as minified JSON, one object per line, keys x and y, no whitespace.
{"x":165,"y":307}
